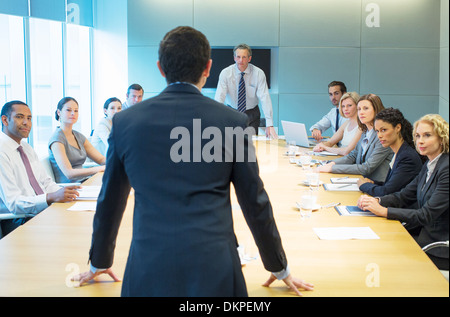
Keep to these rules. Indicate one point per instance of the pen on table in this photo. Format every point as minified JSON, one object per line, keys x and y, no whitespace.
{"x":331,"y":205}
{"x":342,"y":186}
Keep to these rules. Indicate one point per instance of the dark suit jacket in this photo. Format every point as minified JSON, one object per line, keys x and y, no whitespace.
{"x":183,"y":239}
{"x":407,"y":166}
{"x":433,"y":206}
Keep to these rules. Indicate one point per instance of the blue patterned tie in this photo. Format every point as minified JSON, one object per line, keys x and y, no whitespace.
{"x":337,"y":119}
{"x":241,"y":94}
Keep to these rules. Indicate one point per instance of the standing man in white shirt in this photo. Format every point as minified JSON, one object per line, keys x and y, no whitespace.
{"x":25,"y":187}
{"x":246,"y":86}
{"x":332,"y":119}
{"x":135,"y":93}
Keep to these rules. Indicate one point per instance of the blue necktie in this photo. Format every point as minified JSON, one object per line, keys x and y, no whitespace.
{"x":241,"y":94}
{"x":337,"y":119}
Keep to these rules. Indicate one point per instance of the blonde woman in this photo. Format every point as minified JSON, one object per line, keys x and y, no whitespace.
{"x":349,"y":133}
{"x":369,"y":158}
{"x":428,"y":192}
{"x":68,"y":148}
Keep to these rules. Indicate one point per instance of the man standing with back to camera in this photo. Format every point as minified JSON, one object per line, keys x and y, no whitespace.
{"x":183,"y":239}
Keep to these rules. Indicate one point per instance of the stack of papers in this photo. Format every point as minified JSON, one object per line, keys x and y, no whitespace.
{"x":89,"y":192}
{"x":345,"y":233}
{"x":87,"y":201}
{"x":341,"y":187}
{"x":344,"y":180}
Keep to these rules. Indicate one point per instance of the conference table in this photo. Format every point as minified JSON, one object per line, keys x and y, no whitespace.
{"x":40,"y":257}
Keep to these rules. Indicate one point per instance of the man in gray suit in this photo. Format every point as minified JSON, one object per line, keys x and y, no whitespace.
{"x":183,"y":240}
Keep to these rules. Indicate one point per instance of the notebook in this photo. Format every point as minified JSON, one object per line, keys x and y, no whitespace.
{"x":294,"y":131}
{"x":352,"y":211}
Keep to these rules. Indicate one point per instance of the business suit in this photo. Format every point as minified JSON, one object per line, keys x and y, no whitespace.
{"x":183,"y":240}
{"x":372,"y":163}
{"x":407,"y":166}
{"x":433,"y":206}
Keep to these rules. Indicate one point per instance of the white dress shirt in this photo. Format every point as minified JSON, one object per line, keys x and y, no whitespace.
{"x":125,"y":105}
{"x":431,"y":165}
{"x":16,"y":194}
{"x":329,"y":121}
{"x":256,"y":89}
{"x":101,"y":134}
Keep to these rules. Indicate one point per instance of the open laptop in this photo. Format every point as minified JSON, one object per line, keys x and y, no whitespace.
{"x":294,"y":131}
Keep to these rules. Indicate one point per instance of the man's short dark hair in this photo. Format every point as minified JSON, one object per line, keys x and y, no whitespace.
{"x":7,"y":108}
{"x":183,"y":55}
{"x":340,"y":84}
{"x":135,"y":87}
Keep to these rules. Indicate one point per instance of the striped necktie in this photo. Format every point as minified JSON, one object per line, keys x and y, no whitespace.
{"x":337,"y":119}
{"x":34,"y":183}
{"x":241,"y":94}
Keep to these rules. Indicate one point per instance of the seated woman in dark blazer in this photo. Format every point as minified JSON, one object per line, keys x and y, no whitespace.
{"x":396,"y":132}
{"x":429,"y":190}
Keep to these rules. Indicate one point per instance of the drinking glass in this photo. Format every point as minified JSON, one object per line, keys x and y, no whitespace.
{"x":307,"y":203}
{"x":313,"y":180}
{"x":305,"y":160}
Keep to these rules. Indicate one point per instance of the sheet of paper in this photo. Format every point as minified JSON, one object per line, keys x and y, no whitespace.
{"x":342,"y":187}
{"x":89,"y":192}
{"x":84,"y":206}
{"x":344,"y":180}
{"x":345,"y":233}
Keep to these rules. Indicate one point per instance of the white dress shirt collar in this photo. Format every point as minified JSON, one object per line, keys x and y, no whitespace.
{"x":431,"y":165}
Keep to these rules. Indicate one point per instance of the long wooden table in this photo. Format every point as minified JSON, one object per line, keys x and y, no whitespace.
{"x":40,"y":257}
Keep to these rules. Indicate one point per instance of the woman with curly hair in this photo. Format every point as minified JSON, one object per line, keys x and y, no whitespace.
{"x":427,"y":221}
{"x":396,"y":132}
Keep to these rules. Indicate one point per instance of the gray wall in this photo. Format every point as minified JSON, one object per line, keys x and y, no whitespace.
{"x":443,"y":74}
{"x":313,"y":43}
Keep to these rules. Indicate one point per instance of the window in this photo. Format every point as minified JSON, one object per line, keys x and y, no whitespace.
{"x":12,"y":60}
{"x":46,"y":69}
{"x":78,"y":73}
{"x":42,"y":61}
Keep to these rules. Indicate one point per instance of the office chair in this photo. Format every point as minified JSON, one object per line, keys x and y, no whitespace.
{"x":6,"y":217}
{"x":439,"y":244}
{"x":48,"y":168}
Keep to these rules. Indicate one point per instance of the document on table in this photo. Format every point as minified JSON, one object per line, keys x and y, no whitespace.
{"x":84,"y":206}
{"x":353,"y":211}
{"x":89,"y":192}
{"x":344,"y":180}
{"x":345,"y":233}
{"x":342,"y":187}
{"x":325,"y":153}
